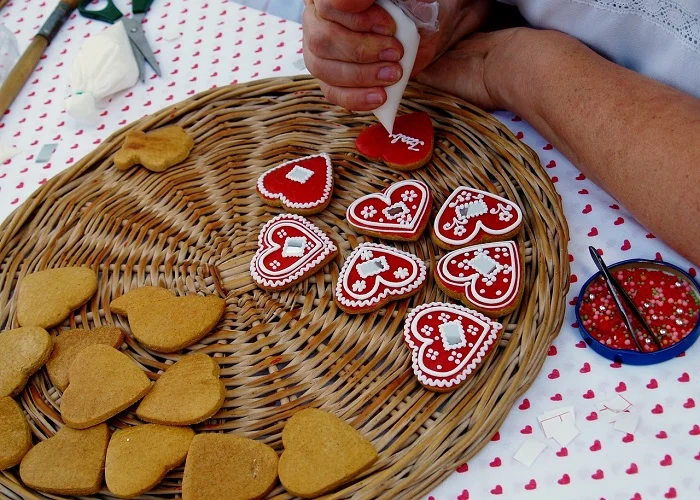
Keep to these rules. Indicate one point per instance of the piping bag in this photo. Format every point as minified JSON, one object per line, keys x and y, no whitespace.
{"x":409,"y":16}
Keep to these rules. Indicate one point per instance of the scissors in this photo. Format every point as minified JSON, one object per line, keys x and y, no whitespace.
{"x":111,"y":14}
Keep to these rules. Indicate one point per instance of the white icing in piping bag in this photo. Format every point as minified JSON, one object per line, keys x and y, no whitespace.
{"x":407,"y":34}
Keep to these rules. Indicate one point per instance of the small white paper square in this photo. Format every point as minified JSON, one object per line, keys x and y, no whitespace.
{"x":626,"y":422}
{"x":618,"y":404}
{"x":529,"y":451}
{"x":551,"y":420}
{"x":565,"y":433}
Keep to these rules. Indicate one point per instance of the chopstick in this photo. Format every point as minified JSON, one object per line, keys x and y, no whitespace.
{"x":617,"y":291}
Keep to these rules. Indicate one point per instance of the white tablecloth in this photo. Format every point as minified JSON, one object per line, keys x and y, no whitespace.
{"x":222,"y":43}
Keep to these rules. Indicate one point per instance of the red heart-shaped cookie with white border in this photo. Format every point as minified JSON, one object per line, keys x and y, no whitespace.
{"x":400,"y":212}
{"x":409,"y":147}
{"x":471,"y":216}
{"x":290,"y":249}
{"x":375,"y":274}
{"x":486,"y":277}
{"x":301,"y":186}
{"x":448,"y":343}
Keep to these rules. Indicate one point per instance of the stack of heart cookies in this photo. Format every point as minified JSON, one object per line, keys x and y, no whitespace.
{"x":482,"y":269}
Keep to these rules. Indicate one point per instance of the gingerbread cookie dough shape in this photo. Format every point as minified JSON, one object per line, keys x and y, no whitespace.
{"x":321,"y":452}
{"x":376,"y":274}
{"x":408,"y":147}
{"x":23,"y":351}
{"x":302,"y":186}
{"x":485,"y":277}
{"x":400,"y":212}
{"x":165,"y":323}
{"x":290,"y":249}
{"x":46,"y":298}
{"x":156,"y":150}
{"x":448,"y":343}
{"x":470,"y":216}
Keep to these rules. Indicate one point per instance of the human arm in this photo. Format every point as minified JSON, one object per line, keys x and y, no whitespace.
{"x":637,"y":138}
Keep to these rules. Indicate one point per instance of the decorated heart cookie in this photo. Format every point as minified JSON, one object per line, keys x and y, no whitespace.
{"x":448,"y":343}
{"x":226,"y":466}
{"x":290,"y":249}
{"x":15,"y":435}
{"x":166,"y":323}
{"x":139,"y":457}
{"x":69,"y":463}
{"x":187,"y":393}
{"x":486,"y":277}
{"x":23,"y":351}
{"x":408,"y":147}
{"x":400,"y":212}
{"x":375,"y":274}
{"x":471,"y":216}
{"x":302,"y":186}
{"x":321,"y":452}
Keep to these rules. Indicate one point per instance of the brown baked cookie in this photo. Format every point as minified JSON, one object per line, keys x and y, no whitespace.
{"x":69,"y":463}
{"x":23,"y":351}
{"x":139,"y":457}
{"x":165,"y":323}
{"x":156,"y":150}
{"x":69,"y":343}
{"x":15,"y":436}
{"x":228,"y":467}
{"x":102,"y":382}
{"x":187,"y":393}
{"x":46,"y":298}
{"x":321,"y":452}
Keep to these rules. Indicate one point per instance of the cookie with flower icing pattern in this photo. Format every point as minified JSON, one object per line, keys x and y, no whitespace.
{"x":470,"y":216}
{"x":448,"y":343}
{"x":486,"y":277}
{"x":400,"y":212}
{"x":376,"y":274}
{"x":303,"y":186}
{"x":290,"y":249}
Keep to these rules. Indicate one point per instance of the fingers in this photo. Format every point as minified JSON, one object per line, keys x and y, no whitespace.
{"x":354,"y":99}
{"x":351,"y":6}
{"x":345,"y":74}
{"x":372,"y":19}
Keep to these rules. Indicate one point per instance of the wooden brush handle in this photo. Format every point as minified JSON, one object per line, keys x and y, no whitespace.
{"x":20,"y":73}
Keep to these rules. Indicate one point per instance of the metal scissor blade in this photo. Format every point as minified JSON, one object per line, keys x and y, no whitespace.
{"x":140,"y":61}
{"x":138,"y":40}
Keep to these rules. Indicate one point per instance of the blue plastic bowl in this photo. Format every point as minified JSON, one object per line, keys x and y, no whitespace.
{"x":629,"y":357}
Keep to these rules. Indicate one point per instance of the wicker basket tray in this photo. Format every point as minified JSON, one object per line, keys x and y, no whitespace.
{"x":194,"y":229}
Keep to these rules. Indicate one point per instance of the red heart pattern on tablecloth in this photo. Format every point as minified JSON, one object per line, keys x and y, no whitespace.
{"x":303,"y":185}
{"x":408,"y":147}
{"x":470,"y":216}
{"x":448,"y":343}
{"x":400,"y":212}
{"x":290,"y":248}
{"x":486,"y":277}
{"x":375,"y":274}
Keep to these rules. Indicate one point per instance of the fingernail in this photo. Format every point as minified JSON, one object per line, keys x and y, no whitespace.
{"x":374,"y":98}
{"x":380,"y":29}
{"x":389,"y":55}
{"x":388,"y":74}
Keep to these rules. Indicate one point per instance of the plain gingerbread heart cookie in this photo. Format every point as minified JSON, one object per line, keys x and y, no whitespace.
{"x":23,"y":351}
{"x":102,"y":382}
{"x":15,"y":436}
{"x":69,"y":463}
{"x":68,"y":344}
{"x":46,"y":298}
{"x":321,"y":452}
{"x":187,"y":393}
{"x":228,"y":467}
{"x":156,"y":150}
{"x":166,"y":323}
{"x":139,"y":457}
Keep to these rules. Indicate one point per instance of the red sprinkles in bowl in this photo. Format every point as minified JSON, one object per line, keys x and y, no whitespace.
{"x":669,"y":303}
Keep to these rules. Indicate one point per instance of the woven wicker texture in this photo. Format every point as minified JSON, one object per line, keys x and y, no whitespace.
{"x":194,"y":229}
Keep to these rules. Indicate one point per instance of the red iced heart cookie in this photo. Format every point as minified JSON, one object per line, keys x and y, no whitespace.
{"x":400,"y":212}
{"x":486,"y":277}
{"x":448,"y":343}
{"x":301,"y":186}
{"x":375,"y":274}
{"x":471,"y":216}
{"x":290,"y":249}
{"x":409,"y":146}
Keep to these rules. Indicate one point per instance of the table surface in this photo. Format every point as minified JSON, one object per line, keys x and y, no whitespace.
{"x":222,"y":43}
